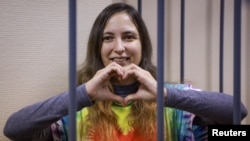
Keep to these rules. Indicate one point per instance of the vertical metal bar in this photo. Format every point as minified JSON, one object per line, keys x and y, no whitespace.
{"x":182,"y":50}
{"x":72,"y":70}
{"x":221,"y":44}
{"x":160,"y":70}
{"x":237,"y":60}
{"x":139,"y":7}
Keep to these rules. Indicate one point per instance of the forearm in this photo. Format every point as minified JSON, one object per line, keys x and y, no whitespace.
{"x":215,"y":106}
{"x":34,"y":118}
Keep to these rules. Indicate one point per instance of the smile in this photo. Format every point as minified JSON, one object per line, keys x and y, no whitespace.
{"x":121,"y":59}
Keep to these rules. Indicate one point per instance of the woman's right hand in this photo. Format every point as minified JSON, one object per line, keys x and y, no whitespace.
{"x":98,"y":87}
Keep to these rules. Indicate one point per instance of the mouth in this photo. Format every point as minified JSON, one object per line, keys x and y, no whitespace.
{"x":119,"y":59}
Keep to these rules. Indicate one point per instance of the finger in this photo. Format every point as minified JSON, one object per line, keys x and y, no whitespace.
{"x":118,"y":99}
{"x":137,"y":74}
{"x":109,"y":71}
{"x":129,"y":71}
{"x":115,"y":69}
{"x":131,"y":97}
{"x":135,"y":71}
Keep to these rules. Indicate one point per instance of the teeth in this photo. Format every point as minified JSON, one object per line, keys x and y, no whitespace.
{"x":119,"y":59}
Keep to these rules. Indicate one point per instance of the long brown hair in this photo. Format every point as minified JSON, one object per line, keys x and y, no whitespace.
{"x":100,"y":117}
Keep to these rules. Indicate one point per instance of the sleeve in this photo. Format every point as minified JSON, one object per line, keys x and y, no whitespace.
{"x":34,"y":119}
{"x":179,"y":123}
{"x":211,"y":107}
{"x":59,"y":131}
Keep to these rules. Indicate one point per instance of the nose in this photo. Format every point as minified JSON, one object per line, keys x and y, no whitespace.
{"x":119,"y":46}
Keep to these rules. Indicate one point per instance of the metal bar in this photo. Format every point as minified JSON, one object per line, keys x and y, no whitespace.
{"x":160,"y":70}
{"x":182,"y":49}
{"x":72,"y":70}
{"x":139,"y":6}
{"x":221,"y":45}
{"x":237,"y":61}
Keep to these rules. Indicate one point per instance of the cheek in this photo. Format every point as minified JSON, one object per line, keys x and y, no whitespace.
{"x":105,"y":55}
{"x":139,"y":56}
{"x":137,"y":53}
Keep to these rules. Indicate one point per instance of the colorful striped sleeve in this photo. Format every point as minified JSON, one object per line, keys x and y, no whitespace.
{"x":179,"y":124}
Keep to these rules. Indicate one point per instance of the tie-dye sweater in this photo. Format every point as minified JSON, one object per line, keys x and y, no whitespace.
{"x":187,"y":113}
{"x":179,"y":124}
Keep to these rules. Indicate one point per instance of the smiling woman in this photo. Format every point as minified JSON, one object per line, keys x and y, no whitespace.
{"x":116,"y":94}
{"x":121,"y":44}
{"x":121,"y":41}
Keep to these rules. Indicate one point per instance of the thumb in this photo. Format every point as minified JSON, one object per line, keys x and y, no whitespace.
{"x":130,"y":97}
{"x":118,"y":99}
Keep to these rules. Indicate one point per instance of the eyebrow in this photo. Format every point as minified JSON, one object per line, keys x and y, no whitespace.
{"x":129,"y":32}
{"x":108,"y":33}
{"x":126,"y":32}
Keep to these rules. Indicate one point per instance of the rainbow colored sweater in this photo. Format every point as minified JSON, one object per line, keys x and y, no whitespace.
{"x":179,"y":124}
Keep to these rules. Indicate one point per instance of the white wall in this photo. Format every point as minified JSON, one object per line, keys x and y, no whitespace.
{"x":202,"y":25}
{"x":34,"y":49}
{"x":34,"y":46}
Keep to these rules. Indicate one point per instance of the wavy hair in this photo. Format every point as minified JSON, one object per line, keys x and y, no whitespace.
{"x":100,"y":118}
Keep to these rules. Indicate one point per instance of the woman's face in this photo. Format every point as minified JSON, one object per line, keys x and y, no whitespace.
{"x":121,"y":41}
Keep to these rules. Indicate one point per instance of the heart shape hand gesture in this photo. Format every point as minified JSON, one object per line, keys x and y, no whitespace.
{"x":98,"y":87}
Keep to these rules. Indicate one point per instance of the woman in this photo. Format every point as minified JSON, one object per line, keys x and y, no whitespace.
{"x":117,"y":93}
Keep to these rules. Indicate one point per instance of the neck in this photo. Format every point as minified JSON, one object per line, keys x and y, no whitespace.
{"x":124,"y":90}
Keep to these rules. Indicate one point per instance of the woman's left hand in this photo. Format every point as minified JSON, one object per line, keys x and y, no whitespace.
{"x":148,"y":85}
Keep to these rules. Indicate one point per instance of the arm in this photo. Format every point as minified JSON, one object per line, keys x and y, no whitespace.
{"x":31,"y":120}
{"x":212,"y":107}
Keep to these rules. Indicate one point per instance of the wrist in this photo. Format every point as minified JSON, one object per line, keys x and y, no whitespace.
{"x":89,"y":91}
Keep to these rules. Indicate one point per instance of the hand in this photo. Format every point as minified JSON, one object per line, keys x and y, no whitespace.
{"x":98,"y":87}
{"x":148,"y":85}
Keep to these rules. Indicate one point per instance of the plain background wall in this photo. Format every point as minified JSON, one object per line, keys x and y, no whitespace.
{"x":34,"y":49}
{"x":34,"y":46}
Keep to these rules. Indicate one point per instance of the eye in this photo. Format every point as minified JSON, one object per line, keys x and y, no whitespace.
{"x":107,"y":38}
{"x":129,"y":37}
